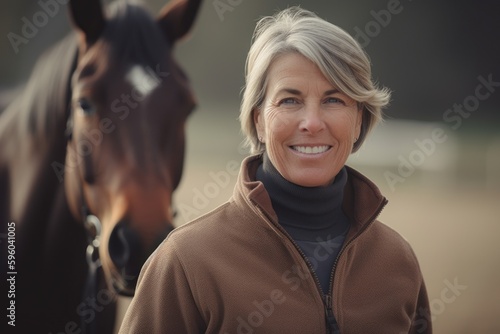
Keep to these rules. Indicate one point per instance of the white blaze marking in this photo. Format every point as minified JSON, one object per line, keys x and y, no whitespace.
{"x":144,"y":80}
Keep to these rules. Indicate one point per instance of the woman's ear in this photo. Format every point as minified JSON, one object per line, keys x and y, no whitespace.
{"x":258,"y":120}
{"x":359,"y":122}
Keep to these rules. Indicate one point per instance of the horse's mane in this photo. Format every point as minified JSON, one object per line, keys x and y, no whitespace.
{"x":44,"y":100}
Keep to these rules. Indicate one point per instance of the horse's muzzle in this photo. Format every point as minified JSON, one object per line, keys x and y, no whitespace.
{"x":128,"y":255}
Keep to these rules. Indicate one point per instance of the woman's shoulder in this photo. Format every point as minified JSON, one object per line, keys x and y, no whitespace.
{"x":217,"y":225}
{"x":204,"y":224}
{"x":198,"y":243}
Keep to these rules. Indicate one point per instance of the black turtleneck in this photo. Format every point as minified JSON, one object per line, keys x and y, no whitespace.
{"x":312,"y":216}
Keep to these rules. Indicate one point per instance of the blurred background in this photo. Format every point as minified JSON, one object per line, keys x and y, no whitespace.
{"x":436,"y":157}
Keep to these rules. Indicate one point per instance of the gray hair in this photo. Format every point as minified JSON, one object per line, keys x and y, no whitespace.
{"x":338,"y":56}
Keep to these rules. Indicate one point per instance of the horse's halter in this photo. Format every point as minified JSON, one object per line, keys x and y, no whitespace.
{"x":92,"y":224}
{"x":93,"y":228}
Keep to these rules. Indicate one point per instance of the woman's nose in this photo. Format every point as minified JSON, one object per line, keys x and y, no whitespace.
{"x":312,"y":120}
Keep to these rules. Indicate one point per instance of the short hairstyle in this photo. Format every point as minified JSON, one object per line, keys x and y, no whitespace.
{"x":338,"y":56}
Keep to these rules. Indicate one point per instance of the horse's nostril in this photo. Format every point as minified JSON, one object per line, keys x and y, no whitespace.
{"x":119,"y":249}
{"x":124,"y":247}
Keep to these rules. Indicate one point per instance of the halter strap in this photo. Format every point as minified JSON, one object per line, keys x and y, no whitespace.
{"x":92,"y":224}
{"x":94,"y":271}
{"x":93,"y":228}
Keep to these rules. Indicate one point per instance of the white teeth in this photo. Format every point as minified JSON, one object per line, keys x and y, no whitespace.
{"x":311,"y":149}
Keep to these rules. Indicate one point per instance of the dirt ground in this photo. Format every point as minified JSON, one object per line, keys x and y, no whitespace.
{"x":452,"y":227}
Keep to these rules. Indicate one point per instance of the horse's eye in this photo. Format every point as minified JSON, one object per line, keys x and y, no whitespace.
{"x":85,"y":106}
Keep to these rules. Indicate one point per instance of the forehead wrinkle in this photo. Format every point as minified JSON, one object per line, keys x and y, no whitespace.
{"x":296,"y":81}
{"x":301,"y":86}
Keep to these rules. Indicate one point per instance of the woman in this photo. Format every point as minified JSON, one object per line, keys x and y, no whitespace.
{"x":297,"y":249}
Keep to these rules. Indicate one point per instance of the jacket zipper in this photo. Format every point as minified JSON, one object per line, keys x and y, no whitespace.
{"x":326,"y":298}
{"x":331,"y":321}
{"x":282,"y":230}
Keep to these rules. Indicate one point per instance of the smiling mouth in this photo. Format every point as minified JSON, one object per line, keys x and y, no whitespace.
{"x":311,"y":149}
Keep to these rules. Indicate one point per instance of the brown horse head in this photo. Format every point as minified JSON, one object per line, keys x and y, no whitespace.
{"x":129,"y":105}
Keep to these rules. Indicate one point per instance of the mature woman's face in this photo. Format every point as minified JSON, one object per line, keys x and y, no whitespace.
{"x":308,"y":126}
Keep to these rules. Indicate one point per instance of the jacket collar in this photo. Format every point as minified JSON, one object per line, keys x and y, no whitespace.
{"x":362,"y":202}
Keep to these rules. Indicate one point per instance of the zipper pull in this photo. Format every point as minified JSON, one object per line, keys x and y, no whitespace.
{"x":331,"y":323}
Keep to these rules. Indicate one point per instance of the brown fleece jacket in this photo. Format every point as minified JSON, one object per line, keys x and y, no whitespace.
{"x":235,"y":270}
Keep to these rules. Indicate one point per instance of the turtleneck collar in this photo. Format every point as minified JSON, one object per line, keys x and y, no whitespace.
{"x":305,"y":212}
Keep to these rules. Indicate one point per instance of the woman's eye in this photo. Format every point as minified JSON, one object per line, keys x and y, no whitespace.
{"x":334,"y":100}
{"x":288,"y":100}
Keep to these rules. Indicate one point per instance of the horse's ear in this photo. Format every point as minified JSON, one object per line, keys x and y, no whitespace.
{"x":88,"y":17}
{"x":177,"y":17}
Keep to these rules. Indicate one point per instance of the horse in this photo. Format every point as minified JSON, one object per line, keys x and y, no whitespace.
{"x":91,"y":152}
